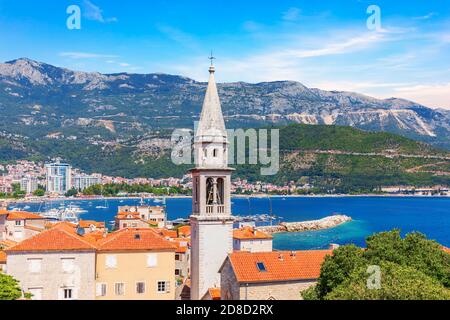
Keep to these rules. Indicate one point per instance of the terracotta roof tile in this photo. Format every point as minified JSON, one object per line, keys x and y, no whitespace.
{"x":135,"y":239}
{"x":60,"y":238}
{"x":88,"y":223}
{"x":184,"y":231}
{"x":23,"y":216}
{"x":446,"y":249}
{"x":168,"y":233}
{"x":250,"y":233}
{"x":33,"y":228}
{"x":7,"y":243}
{"x":214,"y":293}
{"x":67,"y":226}
{"x":279,"y":266}
{"x":3,"y":212}
{"x":2,"y":257}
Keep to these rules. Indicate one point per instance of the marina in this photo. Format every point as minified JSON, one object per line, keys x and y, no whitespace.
{"x":370,"y":214}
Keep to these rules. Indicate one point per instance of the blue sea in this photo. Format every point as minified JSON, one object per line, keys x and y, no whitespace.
{"x":429,"y":215}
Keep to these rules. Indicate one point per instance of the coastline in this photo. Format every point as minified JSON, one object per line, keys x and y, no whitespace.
{"x":237,"y":196}
{"x":312,"y":225}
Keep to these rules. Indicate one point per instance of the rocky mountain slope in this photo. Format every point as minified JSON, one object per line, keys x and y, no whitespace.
{"x":41,"y":100}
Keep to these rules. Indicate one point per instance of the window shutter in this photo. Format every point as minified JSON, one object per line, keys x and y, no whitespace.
{"x":111,"y":261}
{"x":99,"y":290}
{"x":167,"y":286}
{"x":152,"y":260}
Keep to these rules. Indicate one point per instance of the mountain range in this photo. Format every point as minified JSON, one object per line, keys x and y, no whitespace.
{"x":38,"y":100}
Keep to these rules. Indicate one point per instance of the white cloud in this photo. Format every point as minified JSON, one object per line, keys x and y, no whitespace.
{"x":178,"y":36}
{"x":431,"y":95}
{"x":425,"y":17}
{"x":291,"y":14}
{"x":93,"y":12}
{"x":86,"y":55}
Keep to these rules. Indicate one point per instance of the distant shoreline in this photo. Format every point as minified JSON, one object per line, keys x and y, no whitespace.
{"x":236,"y":196}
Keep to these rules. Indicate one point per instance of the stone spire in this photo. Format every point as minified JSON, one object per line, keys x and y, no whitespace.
{"x":211,"y":123}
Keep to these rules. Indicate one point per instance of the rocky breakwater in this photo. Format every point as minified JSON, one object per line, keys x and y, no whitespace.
{"x":325,"y":223}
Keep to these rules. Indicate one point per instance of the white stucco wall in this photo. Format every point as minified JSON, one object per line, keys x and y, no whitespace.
{"x":253,"y":245}
{"x":211,"y":244}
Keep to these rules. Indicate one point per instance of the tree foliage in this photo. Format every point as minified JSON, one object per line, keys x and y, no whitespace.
{"x":412,"y":267}
{"x":9,"y":288}
{"x":398,"y":283}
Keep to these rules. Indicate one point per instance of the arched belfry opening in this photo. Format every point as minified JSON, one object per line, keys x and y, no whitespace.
{"x":220,"y":191}
{"x":210,"y":192}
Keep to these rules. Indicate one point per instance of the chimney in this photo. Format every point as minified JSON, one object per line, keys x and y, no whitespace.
{"x":280,"y":257}
{"x":293,"y":254}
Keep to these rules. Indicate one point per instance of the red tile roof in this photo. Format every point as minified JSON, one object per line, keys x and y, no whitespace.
{"x":88,"y":223}
{"x":128,"y":216}
{"x":446,"y":249}
{"x":7,"y":243}
{"x":60,"y":238}
{"x":280,"y":266}
{"x":167,"y":233}
{"x":248,"y":233}
{"x":3,"y":212}
{"x":214,"y":293}
{"x":2,"y":257}
{"x":184,"y":231}
{"x":135,"y":239}
{"x":23,"y":216}
{"x":33,"y":228}
{"x":67,"y":226}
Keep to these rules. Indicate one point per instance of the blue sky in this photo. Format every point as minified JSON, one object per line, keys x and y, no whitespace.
{"x":324,"y":44}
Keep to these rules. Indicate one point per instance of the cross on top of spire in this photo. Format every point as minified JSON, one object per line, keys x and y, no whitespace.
{"x":212,"y":58}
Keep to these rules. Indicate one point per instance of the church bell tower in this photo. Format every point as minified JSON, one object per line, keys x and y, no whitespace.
{"x":211,"y":219}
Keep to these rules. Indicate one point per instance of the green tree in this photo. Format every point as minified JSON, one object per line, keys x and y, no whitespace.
{"x":337,"y":268}
{"x":39,"y":193}
{"x":397,"y":283}
{"x":9,"y":288}
{"x":407,"y":264}
{"x":415,"y":250}
{"x":71,"y":193}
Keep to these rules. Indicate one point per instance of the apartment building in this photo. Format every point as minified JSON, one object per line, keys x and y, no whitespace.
{"x":135,"y":264}
{"x":155,"y":215}
{"x":59,"y":177}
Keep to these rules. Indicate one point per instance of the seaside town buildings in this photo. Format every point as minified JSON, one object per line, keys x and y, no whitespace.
{"x":144,"y":259}
{"x":252,"y":240}
{"x":56,"y":264}
{"x":83,"y":181}
{"x":270,"y":275}
{"x":59,"y":177}
{"x":155,"y":215}
{"x":29,"y":184}
{"x":19,"y":226}
{"x":135,"y":264}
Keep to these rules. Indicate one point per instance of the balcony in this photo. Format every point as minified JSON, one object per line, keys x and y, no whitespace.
{"x":215,"y":209}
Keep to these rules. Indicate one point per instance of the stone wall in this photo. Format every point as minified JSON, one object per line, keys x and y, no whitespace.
{"x":290,"y":290}
{"x":52,"y":278}
{"x":325,"y":223}
{"x":229,"y":287}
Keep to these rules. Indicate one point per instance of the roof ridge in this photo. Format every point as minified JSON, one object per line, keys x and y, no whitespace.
{"x":76,"y":236}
